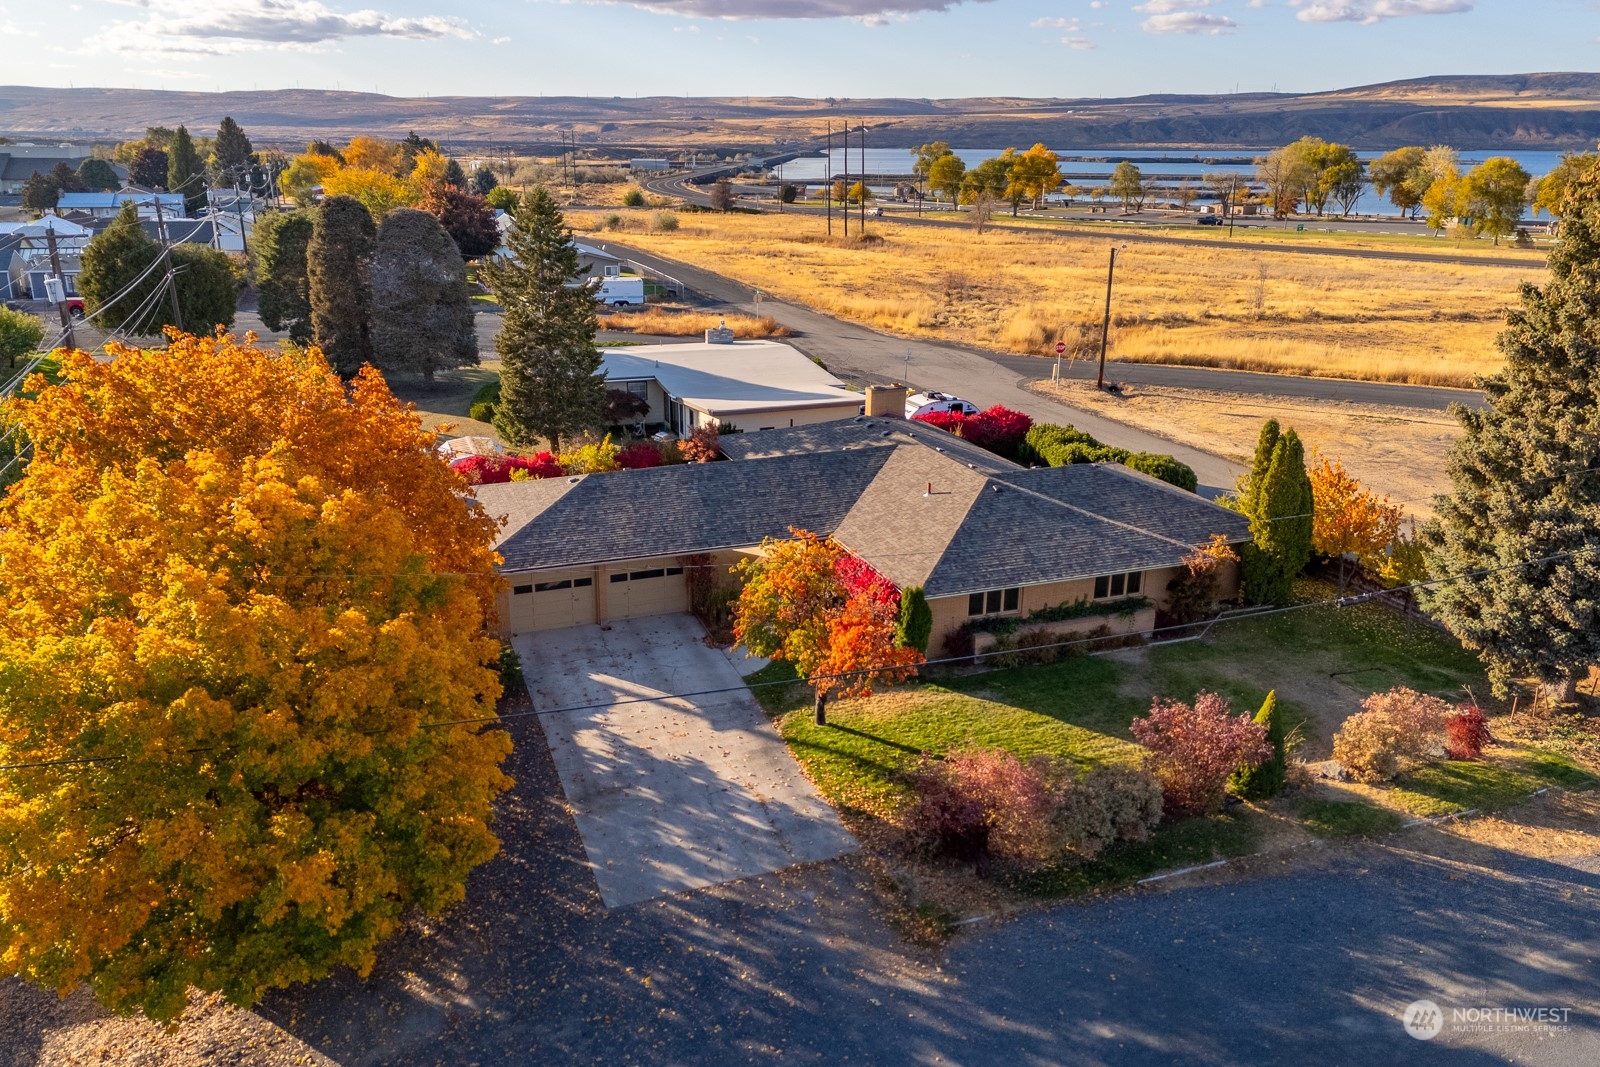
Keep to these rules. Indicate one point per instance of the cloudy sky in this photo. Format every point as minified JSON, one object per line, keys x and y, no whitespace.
{"x":811,"y":48}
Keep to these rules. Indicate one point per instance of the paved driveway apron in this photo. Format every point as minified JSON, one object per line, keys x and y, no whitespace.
{"x":670,"y":793}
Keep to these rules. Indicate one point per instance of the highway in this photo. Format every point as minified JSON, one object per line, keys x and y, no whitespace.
{"x":834,"y":341}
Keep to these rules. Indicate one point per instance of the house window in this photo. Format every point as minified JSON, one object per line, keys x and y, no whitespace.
{"x":551,"y":587}
{"x":674,"y":570}
{"x":522,"y":589}
{"x":1109,"y":586}
{"x":638,"y":389}
{"x":994,"y":601}
{"x":640,"y":576}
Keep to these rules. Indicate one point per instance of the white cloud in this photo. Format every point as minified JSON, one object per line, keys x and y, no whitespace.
{"x":1163,"y":7}
{"x":1080,"y":44}
{"x":1193,"y":22}
{"x":1070,"y":25}
{"x":229,"y":27}
{"x":501,"y":40}
{"x":1368,"y":12}
{"x":867,"y":12}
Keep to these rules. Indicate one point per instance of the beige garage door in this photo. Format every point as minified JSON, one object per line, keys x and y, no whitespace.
{"x":647,"y":591}
{"x":551,"y":601}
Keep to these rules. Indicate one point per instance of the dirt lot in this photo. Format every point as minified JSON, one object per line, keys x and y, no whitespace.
{"x":1398,"y":452}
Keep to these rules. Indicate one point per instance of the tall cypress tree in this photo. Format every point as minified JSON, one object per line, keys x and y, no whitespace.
{"x":339,"y":276}
{"x":1526,"y":474}
{"x":549,"y":385}
{"x":185,"y":173}
{"x":421,"y":308}
{"x":278,"y":245}
{"x":1280,"y":513}
{"x":1265,"y":443}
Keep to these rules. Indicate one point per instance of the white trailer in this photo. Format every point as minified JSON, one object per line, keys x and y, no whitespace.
{"x":621,"y":290}
{"x":925,"y":403}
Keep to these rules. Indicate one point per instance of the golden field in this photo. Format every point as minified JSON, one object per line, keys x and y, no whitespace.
{"x":1237,"y":307}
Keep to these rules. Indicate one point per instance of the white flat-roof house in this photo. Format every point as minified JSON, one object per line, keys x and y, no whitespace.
{"x":754,"y":385}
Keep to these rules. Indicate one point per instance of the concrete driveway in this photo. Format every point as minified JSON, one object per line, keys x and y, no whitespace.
{"x":670,"y":793}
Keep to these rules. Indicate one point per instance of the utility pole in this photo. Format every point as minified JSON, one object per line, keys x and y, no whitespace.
{"x":61,"y":280}
{"x":827,"y":178}
{"x":1105,"y":324}
{"x":863,"y":179}
{"x":166,"y":256}
{"x":238,"y":209}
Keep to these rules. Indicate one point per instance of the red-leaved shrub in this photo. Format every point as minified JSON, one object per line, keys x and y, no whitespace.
{"x":1466,"y":732}
{"x":639,"y":455}
{"x":949,"y":421}
{"x":491,"y":470}
{"x":859,"y":578}
{"x":980,"y":803}
{"x":1000,"y":430}
{"x":1195,"y":748}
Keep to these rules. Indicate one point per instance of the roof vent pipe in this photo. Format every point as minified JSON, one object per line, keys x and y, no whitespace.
{"x":930,"y":490}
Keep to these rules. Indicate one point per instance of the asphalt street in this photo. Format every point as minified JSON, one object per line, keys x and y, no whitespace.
{"x":1304,"y":964}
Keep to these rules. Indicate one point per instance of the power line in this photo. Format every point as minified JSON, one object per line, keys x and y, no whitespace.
{"x":1339,"y":601}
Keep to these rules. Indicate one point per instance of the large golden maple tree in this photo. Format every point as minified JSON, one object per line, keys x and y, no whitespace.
{"x":236,"y":597}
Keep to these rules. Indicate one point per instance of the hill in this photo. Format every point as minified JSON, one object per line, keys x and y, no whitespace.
{"x":1549,"y":110}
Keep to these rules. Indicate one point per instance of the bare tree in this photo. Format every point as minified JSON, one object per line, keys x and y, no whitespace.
{"x":982,"y":210}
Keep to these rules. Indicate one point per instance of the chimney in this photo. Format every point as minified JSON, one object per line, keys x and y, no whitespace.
{"x":886,"y":401}
{"x":719,"y":334}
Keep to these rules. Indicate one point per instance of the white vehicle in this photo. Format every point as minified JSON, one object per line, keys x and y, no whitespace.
{"x":924,"y":403}
{"x":620,"y":291}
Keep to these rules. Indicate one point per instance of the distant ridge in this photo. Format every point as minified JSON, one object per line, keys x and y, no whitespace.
{"x":1542,"y":110}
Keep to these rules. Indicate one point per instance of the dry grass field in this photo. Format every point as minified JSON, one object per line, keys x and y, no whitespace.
{"x":1395,"y":451}
{"x":660,"y":321}
{"x":1330,"y":315}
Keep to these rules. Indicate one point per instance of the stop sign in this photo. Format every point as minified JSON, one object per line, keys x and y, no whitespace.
{"x":1061,"y":348}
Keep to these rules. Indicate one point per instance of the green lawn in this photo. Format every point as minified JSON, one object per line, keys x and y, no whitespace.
{"x":1347,"y":818}
{"x":1455,"y":786}
{"x":1323,"y":661}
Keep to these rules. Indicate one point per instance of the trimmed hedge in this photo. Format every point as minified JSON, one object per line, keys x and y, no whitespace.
{"x":1082,"y":608}
{"x":1050,"y":445}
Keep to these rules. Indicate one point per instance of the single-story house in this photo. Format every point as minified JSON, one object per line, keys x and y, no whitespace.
{"x":16,"y":167}
{"x":983,"y":537}
{"x":108,"y":205}
{"x":26,"y":259}
{"x":753,"y":385}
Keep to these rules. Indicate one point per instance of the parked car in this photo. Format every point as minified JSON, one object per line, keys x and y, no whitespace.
{"x":1208,"y":220}
{"x":925,"y":403}
{"x":75,"y":306}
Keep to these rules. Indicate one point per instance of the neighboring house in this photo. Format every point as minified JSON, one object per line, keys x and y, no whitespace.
{"x":108,"y":205}
{"x":982,"y":536}
{"x":20,"y":162}
{"x":25,"y":258}
{"x":755,"y":385}
{"x":597,"y":262}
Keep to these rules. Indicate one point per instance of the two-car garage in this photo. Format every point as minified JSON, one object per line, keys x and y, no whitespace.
{"x":550,"y":600}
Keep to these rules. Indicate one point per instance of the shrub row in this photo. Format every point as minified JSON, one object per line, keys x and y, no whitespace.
{"x":1050,"y":445}
{"x":1402,"y":729}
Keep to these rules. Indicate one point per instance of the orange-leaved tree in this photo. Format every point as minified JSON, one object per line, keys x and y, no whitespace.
{"x":1348,"y":519}
{"x":235,"y":594}
{"x":808,"y":601}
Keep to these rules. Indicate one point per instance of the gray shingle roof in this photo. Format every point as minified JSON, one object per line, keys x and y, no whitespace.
{"x":21,"y":168}
{"x":675,"y":510}
{"x":864,"y":432}
{"x":919,"y":515}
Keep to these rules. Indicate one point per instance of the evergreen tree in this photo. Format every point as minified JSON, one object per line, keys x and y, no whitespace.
{"x":454,"y":176}
{"x":1266,"y":779}
{"x":422,"y":317}
{"x":914,"y":625}
{"x":113,"y":260}
{"x":231,"y":151}
{"x":1526,"y":474}
{"x":550,"y":387}
{"x":97,"y":176}
{"x":185,"y":173}
{"x":1281,"y":521}
{"x":339,"y":276}
{"x":278,"y":245}
{"x":483,"y":180}
{"x":1265,"y":443}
